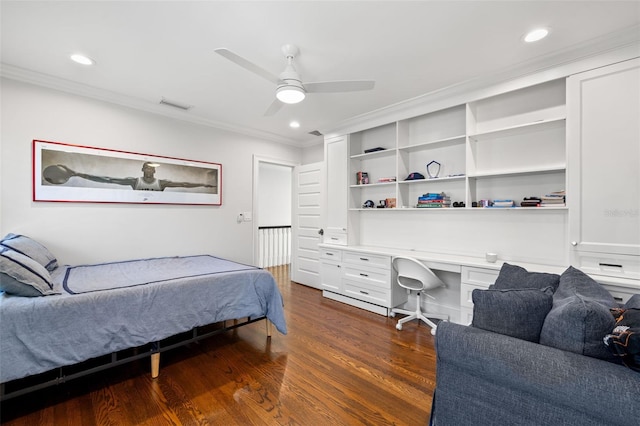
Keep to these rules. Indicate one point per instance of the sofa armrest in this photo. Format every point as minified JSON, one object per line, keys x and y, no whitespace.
{"x":484,"y":376}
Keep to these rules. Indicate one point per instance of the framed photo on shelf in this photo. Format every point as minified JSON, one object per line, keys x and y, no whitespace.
{"x":73,"y":173}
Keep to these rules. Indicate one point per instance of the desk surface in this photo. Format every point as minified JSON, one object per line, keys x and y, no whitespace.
{"x":454,"y":263}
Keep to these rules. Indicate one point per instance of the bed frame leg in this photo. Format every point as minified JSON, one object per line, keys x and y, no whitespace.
{"x":268,"y":327}
{"x":155,"y":365}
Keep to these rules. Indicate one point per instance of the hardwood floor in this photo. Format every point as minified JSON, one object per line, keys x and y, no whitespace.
{"x":338,"y":365}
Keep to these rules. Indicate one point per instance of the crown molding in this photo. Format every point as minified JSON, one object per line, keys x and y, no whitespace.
{"x":68,"y":86}
{"x":611,"y":48}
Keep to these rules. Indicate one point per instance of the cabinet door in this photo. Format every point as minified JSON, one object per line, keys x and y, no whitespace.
{"x":336,"y":157}
{"x":604,"y":160}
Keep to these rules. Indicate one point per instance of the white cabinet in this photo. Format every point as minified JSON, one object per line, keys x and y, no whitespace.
{"x":336,"y":151}
{"x":604,"y":159}
{"x":359,"y":279}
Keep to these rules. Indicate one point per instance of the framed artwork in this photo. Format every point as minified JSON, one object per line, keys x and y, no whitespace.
{"x":74,"y":173}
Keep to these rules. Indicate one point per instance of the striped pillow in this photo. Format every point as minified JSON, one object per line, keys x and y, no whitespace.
{"x":30,"y":248}
{"x":22,"y":276}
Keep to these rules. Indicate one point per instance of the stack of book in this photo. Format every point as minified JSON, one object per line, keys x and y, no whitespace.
{"x":386,"y":179}
{"x":433,"y":200}
{"x":555,"y":199}
{"x":531,"y":202}
{"x":503,"y":203}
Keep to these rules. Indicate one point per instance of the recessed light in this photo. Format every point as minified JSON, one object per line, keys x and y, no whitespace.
{"x":294,"y":124}
{"x":535,"y":35}
{"x":81,"y":59}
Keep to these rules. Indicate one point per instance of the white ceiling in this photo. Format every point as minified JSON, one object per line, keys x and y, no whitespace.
{"x":147,"y":50}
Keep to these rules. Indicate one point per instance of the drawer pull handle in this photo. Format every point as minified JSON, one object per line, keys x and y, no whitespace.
{"x":329,"y":254}
{"x":618,"y":299}
{"x":363,"y":275}
{"x":334,"y":238}
{"x":364,"y":292}
{"x":610,"y":265}
{"x":364,"y":258}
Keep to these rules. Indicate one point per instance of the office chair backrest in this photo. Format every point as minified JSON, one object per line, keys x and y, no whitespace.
{"x":415,"y":275}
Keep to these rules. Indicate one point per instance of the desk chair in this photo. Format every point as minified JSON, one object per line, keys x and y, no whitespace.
{"x":415,"y":276}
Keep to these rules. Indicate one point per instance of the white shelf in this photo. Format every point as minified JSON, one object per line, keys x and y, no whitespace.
{"x":432,"y":180}
{"x":519,"y":129}
{"x":374,"y":154}
{"x":519,"y":172}
{"x":369,"y":185}
{"x":465,"y":209}
{"x":426,"y":145}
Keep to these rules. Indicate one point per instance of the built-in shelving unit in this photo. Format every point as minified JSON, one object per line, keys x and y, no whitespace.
{"x":508,"y":146}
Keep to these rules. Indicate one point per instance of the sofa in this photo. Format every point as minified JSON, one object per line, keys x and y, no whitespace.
{"x":541,"y":350}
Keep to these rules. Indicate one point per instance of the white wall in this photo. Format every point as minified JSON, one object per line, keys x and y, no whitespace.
{"x":274,"y":195}
{"x":313,"y":154}
{"x":83,"y":232}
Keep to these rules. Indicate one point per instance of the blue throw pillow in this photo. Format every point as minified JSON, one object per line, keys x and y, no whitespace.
{"x":513,"y":276}
{"x":22,"y":276}
{"x":30,"y":248}
{"x":517,"y":313}
{"x":580,"y":317}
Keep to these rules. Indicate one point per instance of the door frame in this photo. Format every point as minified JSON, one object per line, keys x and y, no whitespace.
{"x":257,"y":159}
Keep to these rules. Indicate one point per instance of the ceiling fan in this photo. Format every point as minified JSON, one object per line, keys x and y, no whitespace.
{"x":289,"y":86}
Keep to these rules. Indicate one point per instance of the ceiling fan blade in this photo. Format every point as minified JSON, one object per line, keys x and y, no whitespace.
{"x":273,"y":108}
{"x":339,"y":86}
{"x":250,"y":66}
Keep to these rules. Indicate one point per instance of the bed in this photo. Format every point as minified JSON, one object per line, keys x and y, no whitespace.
{"x":78,"y":313}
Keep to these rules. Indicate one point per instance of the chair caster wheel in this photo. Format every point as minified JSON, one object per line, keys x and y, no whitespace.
{"x":433,"y":331}
{"x":399,"y":326}
{"x":392,"y":314}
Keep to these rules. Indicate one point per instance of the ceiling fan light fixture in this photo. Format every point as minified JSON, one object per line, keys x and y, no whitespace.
{"x":290,"y":94}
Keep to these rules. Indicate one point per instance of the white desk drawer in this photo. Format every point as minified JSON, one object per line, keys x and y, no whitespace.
{"x":613,"y":265}
{"x":335,"y":237}
{"x":331,"y":254}
{"x":368,"y":277}
{"x":359,"y":291}
{"x":621,"y":294}
{"x":465,"y":294}
{"x":479,"y":276}
{"x":367,"y":260}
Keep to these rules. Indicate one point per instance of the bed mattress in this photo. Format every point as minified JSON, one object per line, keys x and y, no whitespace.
{"x":147,"y":300}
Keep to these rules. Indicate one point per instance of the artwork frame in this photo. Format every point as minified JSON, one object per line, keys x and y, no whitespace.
{"x":64,"y":172}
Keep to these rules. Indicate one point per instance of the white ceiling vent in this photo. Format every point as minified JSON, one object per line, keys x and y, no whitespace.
{"x":175,"y":104}
{"x":315,"y":133}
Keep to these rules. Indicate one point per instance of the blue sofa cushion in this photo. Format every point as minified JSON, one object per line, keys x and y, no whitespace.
{"x":517,"y":313}
{"x":513,"y":276}
{"x":580,"y":317}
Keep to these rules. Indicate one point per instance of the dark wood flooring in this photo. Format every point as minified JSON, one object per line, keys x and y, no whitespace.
{"x":338,"y":365}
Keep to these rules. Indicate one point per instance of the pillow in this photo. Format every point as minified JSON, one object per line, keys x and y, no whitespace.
{"x":624,"y":340}
{"x":633,"y":302}
{"x":22,"y":276}
{"x":32,"y":249}
{"x":580,"y":317}
{"x":517,"y":313}
{"x":512,"y":276}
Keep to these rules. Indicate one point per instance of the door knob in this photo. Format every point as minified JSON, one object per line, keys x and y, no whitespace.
{"x":321,"y":231}
{"x":574,"y":243}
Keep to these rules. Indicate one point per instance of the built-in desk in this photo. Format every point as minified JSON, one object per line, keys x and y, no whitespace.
{"x":362,"y":276}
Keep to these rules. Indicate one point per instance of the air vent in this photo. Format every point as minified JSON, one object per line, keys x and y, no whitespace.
{"x":175,"y":104}
{"x":315,"y":133}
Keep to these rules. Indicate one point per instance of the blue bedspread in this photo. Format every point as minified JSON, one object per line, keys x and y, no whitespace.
{"x":38,"y":334}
